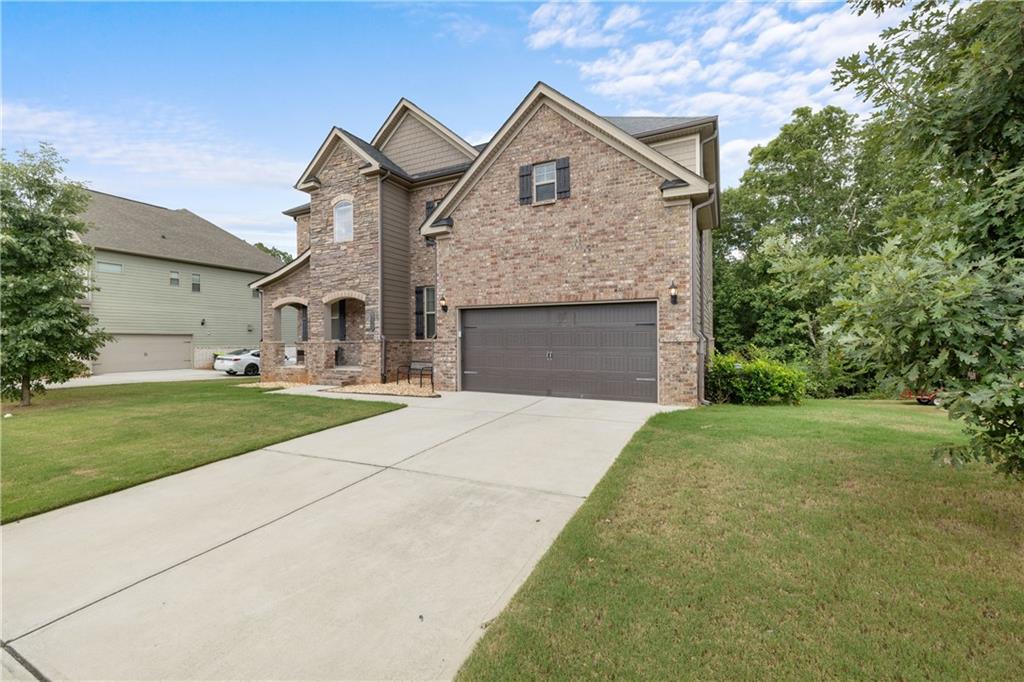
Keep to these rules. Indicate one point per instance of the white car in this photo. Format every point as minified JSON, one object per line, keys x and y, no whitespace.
{"x":242,"y":361}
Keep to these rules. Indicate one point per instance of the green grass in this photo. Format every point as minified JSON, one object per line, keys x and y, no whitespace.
{"x":751,"y":543}
{"x":74,"y":444}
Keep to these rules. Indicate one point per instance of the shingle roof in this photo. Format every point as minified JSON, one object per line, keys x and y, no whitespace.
{"x":644,"y":125}
{"x":125,"y":225}
{"x":376,"y":154}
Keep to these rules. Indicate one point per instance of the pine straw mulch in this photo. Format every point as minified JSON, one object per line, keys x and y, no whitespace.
{"x":412,"y":390}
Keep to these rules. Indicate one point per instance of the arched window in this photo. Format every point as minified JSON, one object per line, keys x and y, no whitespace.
{"x":343,"y":221}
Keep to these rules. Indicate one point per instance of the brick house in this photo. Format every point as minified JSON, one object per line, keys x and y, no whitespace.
{"x":568,"y":256}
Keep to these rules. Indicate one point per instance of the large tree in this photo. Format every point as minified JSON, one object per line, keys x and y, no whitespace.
{"x":45,"y":334}
{"x":277,"y":253}
{"x":941,"y":305}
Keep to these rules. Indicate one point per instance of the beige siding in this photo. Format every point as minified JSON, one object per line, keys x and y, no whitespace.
{"x":682,"y":150}
{"x":140,"y":300}
{"x":395,"y":284}
{"x":417,"y":148}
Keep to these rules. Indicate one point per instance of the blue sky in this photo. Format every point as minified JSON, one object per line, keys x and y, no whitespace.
{"x":218,"y":107}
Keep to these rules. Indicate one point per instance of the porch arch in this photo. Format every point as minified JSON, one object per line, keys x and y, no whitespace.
{"x":343,"y":293}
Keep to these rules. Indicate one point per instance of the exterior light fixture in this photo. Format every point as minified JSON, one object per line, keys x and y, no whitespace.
{"x":673,"y":293}
{"x":444,"y":303}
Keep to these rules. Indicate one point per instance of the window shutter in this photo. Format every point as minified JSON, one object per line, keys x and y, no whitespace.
{"x":562,"y":177}
{"x":419,"y":313}
{"x":526,"y":184}
{"x":430,"y":208}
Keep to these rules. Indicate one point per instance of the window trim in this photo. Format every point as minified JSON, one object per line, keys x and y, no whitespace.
{"x":118,"y":271}
{"x":420,"y":297}
{"x":338,"y":201}
{"x":553,"y":182}
{"x":197,"y":283}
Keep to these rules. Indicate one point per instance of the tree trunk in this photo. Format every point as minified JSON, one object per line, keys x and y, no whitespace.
{"x":26,"y":390}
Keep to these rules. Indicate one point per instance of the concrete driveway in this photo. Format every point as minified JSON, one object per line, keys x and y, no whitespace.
{"x":375,"y":550}
{"x":143,"y":377}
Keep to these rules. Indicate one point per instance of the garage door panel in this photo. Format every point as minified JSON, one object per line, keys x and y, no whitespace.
{"x":583,"y":351}
{"x":141,"y":352}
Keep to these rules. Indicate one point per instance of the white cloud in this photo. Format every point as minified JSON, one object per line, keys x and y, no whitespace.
{"x":478,"y":136}
{"x":464,"y":28}
{"x":734,"y":154}
{"x":624,"y":16}
{"x":156,"y":140}
{"x":569,"y":25}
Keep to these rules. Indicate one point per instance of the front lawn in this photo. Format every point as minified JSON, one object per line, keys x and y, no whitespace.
{"x":77,"y":443}
{"x":754,"y":543}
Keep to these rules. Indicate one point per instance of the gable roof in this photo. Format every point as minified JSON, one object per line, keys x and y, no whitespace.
{"x":129,"y":226}
{"x":374,"y":158}
{"x":406,"y":108}
{"x":682,"y":182}
{"x":644,"y":126}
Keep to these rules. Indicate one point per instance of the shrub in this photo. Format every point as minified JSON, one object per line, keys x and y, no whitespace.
{"x":734,"y":379}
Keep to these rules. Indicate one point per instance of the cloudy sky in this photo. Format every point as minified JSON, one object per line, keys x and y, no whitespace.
{"x":218,"y":107}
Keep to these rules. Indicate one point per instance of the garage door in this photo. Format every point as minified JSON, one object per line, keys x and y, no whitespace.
{"x":606,"y":350}
{"x":137,"y":352}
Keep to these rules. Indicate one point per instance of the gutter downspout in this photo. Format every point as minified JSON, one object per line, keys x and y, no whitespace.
{"x":380,"y":276}
{"x":698,"y":327}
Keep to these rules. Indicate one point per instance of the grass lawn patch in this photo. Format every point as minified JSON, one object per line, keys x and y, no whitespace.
{"x":751,"y":543}
{"x":73,"y":444}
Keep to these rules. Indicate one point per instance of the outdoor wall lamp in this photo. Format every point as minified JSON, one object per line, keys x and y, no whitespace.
{"x":673,"y":293}
{"x":444,"y":304}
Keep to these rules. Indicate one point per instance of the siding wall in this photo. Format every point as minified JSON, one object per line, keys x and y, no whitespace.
{"x":140,"y":300}
{"x":395,"y":285}
{"x":682,"y":150}
{"x":417,"y":148}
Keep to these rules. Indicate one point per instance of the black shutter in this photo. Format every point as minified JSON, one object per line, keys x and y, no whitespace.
{"x":430,"y":208}
{"x":526,"y":184}
{"x":419,"y":313}
{"x":562,"y":177}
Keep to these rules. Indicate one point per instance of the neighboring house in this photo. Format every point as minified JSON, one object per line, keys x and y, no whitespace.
{"x":172,"y":287}
{"x":568,"y":256}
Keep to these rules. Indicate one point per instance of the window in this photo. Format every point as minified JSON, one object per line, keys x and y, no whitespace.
{"x":255,"y":293}
{"x":426,"y":313}
{"x":113,"y":268}
{"x":338,"y":321}
{"x":195,"y":282}
{"x":343,"y":221}
{"x":544,"y":182}
{"x":175,"y":278}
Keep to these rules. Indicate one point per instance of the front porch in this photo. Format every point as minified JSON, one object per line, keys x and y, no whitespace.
{"x":336,"y":363}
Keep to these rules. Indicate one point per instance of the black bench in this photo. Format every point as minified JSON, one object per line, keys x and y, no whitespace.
{"x":421,"y":368}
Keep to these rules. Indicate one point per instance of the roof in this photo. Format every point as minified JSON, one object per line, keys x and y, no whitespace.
{"x":376,"y":154}
{"x":639,"y":126}
{"x":129,"y":226}
{"x":281,"y":271}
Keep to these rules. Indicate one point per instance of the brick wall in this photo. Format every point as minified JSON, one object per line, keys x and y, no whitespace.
{"x":613,"y":239}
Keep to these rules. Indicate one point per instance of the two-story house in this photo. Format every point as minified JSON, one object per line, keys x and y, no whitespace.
{"x":568,"y":256}
{"x":171,"y":287}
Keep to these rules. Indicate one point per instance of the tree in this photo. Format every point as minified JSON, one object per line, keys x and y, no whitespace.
{"x":942,"y":305}
{"x":45,"y":334}
{"x":809,"y":201}
{"x":277,"y":253}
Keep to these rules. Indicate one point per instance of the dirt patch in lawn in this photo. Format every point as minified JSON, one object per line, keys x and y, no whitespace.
{"x":398,"y":388}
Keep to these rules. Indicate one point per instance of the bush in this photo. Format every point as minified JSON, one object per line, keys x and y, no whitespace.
{"x":735,"y":379}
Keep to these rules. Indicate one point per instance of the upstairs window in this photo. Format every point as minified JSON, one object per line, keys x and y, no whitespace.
{"x":343,"y":221}
{"x":175,"y":278}
{"x":426,"y":313}
{"x":255,"y":293}
{"x":195,"y":282}
{"x":112,"y":268}
{"x":544,"y":182}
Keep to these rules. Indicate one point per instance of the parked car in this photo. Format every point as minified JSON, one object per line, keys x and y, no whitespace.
{"x":242,"y":361}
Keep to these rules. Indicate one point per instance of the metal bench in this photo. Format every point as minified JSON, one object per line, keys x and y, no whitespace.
{"x":421,"y":368}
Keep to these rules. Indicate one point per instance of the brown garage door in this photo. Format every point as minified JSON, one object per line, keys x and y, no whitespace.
{"x":606,"y":350}
{"x":137,"y":352}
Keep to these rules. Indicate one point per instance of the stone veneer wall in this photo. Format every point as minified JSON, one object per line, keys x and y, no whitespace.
{"x":301,"y":233}
{"x":613,"y":239}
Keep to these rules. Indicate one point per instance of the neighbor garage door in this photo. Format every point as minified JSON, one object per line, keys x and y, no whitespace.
{"x":606,"y":350}
{"x":136,"y":352}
